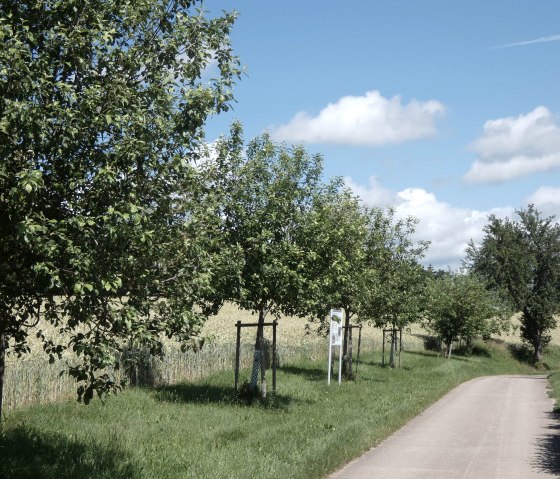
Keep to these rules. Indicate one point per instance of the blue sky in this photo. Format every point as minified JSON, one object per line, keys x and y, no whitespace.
{"x":447,"y":110}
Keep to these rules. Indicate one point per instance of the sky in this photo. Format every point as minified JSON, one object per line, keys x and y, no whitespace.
{"x":447,"y":110}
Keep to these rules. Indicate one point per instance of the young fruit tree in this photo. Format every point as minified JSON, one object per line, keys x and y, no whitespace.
{"x":269,"y":189}
{"x":460,"y":307}
{"x":395,"y":296}
{"x":522,"y":259}
{"x":333,"y":233}
{"x":107,"y":233}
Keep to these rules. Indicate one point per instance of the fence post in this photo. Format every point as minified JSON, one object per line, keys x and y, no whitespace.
{"x":274,"y":323}
{"x":263,"y":368}
{"x":359,"y":345}
{"x":383,"y":350}
{"x":237,"y":354}
{"x":400,"y":349}
{"x":350,"y":352}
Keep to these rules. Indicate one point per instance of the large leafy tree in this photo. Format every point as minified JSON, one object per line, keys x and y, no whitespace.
{"x":522,"y":258}
{"x":106,"y":228}
{"x":459,"y":306}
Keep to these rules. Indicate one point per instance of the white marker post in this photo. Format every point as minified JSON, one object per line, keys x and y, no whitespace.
{"x":335,"y":339}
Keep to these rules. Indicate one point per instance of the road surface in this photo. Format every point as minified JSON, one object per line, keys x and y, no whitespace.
{"x":490,"y":427}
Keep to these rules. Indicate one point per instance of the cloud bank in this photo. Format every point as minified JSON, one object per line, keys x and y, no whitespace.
{"x":368,"y":120}
{"x":449,"y":228}
{"x":516,"y":146}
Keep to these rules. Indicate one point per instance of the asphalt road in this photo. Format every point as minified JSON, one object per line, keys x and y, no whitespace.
{"x":490,"y":427}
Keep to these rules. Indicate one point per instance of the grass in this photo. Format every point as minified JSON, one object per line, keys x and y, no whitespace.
{"x":196,"y":430}
{"x":551,"y":365}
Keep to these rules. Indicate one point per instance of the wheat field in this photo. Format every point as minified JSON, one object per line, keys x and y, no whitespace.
{"x":32,"y":380}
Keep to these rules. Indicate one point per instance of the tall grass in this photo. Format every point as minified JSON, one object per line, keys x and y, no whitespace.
{"x":32,"y":380}
{"x":35,"y":381}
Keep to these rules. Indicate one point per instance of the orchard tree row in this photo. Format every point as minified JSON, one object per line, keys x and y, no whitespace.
{"x":119,"y":226}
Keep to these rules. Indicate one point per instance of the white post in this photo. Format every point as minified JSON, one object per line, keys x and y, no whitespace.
{"x":330,"y":354}
{"x":335,"y":339}
{"x":340,"y":356}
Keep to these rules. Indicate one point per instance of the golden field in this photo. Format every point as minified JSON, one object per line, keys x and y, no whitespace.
{"x":32,"y":380}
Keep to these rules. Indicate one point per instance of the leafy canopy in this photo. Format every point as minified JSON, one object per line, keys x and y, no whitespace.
{"x":395,"y":296}
{"x":269,"y":189}
{"x":103,"y":227}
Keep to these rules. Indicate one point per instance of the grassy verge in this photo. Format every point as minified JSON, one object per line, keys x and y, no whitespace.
{"x":552,"y":366}
{"x":195,"y":430}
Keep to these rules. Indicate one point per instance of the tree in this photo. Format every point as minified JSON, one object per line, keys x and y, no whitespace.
{"x":522,"y":259}
{"x":460,"y":307}
{"x":268,"y":192}
{"x":107,"y":229}
{"x":396,"y":288}
{"x":333,"y":235}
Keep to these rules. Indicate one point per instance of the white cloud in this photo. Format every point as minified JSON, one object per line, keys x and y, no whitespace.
{"x":550,"y":38}
{"x":547,"y":200}
{"x":374,"y":193}
{"x":447,"y":227}
{"x":516,"y":146}
{"x":364,"y":120}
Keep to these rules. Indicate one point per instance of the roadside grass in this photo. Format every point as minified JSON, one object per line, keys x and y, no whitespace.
{"x":551,"y":365}
{"x":197,"y":430}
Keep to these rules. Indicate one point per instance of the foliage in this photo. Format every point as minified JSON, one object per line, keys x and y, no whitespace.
{"x":333,"y":232}
{"x":522,"y":259}
{"x":106,"y":226}
{"x":360,"y":253}
{"x":397,"y":284}
{"x":271,"y":190}
{"x":460,"y":307}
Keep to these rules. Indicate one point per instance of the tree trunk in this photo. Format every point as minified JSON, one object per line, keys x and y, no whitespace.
{"x":449,"y":345}
{"x":258,"y":357}
{"x":2,"y":371}
{"x":393,"y":348}
{"x":350,"y":354}
{"x":538,"y":345}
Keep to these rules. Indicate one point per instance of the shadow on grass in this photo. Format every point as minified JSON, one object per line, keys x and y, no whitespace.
{"x":318,"y":374}
{"x":26,"y":453}
{"x":423,"y":353}
{"x":312,"y":374}
{"x":523,"y":354}
{"x":473,"y":350}
{"x":481,"y":351}
{"x":547,"y":457}
{"x":207,"y":394}
{"x":379,"y":365}
{"x":432,"y":355}
{"x":375,"y":363}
